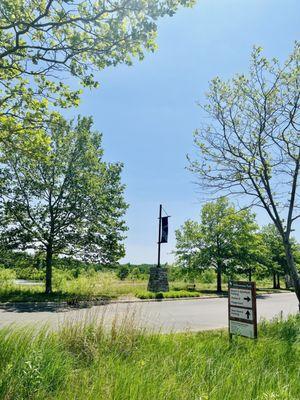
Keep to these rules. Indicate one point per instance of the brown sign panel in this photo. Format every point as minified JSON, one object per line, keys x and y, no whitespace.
{"x":242,"y":313}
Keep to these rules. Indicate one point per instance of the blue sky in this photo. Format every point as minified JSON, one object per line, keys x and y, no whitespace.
{"x":148,"y":112}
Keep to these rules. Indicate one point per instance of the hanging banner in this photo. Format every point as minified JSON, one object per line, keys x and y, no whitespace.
{"x":164,"y":230}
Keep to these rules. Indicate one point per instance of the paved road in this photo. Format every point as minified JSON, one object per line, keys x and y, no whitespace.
{"x":165,"y":316}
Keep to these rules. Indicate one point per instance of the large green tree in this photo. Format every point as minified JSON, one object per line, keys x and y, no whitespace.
{"x":43,"y":42}
{"x":275,"y":258}
{"x":69,"y":203}
{"x":189,"y":242}
{"x":225,"y":239}
{"x":251,"y":145}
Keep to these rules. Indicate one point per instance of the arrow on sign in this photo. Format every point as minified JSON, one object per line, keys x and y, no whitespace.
{"x":248,"y":314}
{"x":247,"y":298}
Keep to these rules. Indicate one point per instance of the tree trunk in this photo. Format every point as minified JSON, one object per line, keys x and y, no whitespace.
{"x":292,"y":269}
{"x":274,"y":280}
{"x":219,"y":277}
{"x":250,"y":275}
{"x":49,"y":254}
{"x":278,"y":281}
{"x":288,"y":281}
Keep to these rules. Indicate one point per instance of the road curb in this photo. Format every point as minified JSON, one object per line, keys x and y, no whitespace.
{"x":84,"y":304}
{"x":101,"y":302}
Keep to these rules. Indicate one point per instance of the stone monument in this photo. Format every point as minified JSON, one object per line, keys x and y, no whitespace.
{"x":158,"y":279}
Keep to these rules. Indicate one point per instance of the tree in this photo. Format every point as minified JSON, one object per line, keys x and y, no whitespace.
{"x":275,"y":255}
{"x":42,"y":42}
{"x":224,"y":240}
{"x":188,"y":242}
{"x":251,"y":147}
{"x":69,"y":203}
{"x":38,"y":37}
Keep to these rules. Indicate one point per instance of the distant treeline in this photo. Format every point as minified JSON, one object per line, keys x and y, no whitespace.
{"x":29,"y":266}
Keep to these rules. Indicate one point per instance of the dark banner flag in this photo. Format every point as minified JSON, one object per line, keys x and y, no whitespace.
{"x":164,"y":230}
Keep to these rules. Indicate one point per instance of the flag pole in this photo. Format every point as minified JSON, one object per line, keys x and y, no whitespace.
{"x":159,"y":235}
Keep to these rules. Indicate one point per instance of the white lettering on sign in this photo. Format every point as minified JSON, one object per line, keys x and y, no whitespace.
{"x":242,"y":329}
{"x":241,"y":297}
{"x":241,"y":313}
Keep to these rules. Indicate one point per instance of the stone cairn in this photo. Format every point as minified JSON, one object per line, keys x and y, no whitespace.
{"x":158,"y":280}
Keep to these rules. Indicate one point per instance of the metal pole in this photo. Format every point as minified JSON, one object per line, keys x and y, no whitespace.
{"x":159,"y":235}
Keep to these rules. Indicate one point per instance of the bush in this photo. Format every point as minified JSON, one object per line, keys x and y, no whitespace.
{"x":175,"y":273}
{"x":122,"y":272}
{"x":30,"y":273}
{"x":208,"y":276}
{"x":7,"y":276}
{"x":135,"y":274}
{"x":60,"y":277}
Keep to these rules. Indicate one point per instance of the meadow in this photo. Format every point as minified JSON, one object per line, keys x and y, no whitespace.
{"x":96,"y":285}
{"x":85,"y":361}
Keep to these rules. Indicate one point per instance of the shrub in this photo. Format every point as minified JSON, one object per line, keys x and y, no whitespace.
{"x":135,"y":273}
{"x":122,"y":272}
{"x":145,"y":295}
{"x":60,"y":277}
{"x":7,"y":277}
{"x":175,"y":273}
{"x":208,"y":276}
{"x":30,"y":273}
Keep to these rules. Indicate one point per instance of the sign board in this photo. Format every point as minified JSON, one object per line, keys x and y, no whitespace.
{"x":242,"y":329}
{"x":242,"y":309}
{"x":241,"y":313}
{"x":240,"y":297}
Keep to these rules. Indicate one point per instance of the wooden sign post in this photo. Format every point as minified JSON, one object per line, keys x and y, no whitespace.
{"x":242,"y":309}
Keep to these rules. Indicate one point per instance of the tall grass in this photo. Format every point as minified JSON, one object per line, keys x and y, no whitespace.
{"x":90,"y":285}
{"x":87,"y":361}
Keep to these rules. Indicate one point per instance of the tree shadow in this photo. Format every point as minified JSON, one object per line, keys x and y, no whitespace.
{"x":27,"y":301}
{"x":31,"y":307}
{"x":214,"y":292}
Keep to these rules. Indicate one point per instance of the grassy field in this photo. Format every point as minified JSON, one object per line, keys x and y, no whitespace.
{"x":103,"y":285}
{"x":85,"y":362}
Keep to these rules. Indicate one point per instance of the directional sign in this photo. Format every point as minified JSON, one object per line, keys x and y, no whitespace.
{"x":241,"y":297}
{"x":242,"y":309}
{"x":241,"y":313}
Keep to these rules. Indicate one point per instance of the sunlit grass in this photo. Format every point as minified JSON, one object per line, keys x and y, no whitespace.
{"x":86,"y":361}
{"x":104,"y":285}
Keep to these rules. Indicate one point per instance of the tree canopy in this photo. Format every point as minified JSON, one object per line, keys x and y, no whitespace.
{"x":251,"y":144}
{"x":225,"y":239}
{"x":44,"y":42}
{"x":69,"y":203}
{"x":275,"y":258}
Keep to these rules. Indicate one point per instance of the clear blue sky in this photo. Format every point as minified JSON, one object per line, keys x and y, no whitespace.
{"x":148,"y":112}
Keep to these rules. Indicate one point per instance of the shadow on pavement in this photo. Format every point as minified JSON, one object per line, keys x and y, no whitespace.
{"x":50,"y":307}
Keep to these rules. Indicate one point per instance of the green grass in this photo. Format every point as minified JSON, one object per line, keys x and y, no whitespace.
{"x":86,"y":362}
{"x":101,"y":285}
